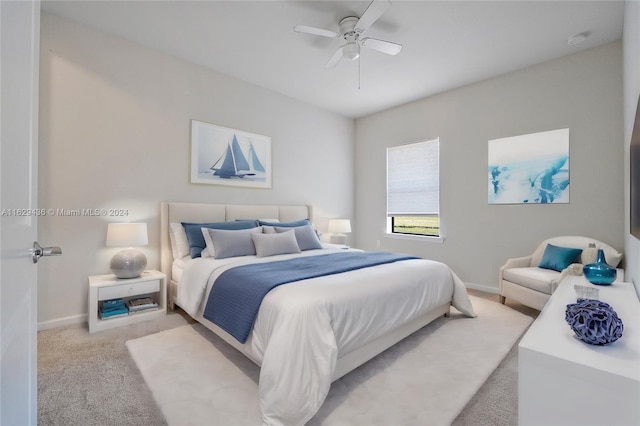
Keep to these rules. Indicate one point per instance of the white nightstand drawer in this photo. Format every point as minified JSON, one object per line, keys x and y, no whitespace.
{"x":126,"y":290}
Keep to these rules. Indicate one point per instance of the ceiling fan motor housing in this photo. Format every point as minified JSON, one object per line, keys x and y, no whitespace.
{"x":348,"y":28}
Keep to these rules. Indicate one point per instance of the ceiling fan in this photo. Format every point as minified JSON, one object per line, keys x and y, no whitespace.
{"x":351,"y":29}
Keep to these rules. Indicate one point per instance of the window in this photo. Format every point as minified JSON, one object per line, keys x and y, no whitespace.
{"x":413,"y":188}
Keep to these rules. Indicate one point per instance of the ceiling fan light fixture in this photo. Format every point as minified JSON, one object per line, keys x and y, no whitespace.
{"x":351,"y":51}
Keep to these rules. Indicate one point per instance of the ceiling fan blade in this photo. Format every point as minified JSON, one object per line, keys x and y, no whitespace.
{"x":335,"y":58}
{"x":315,"y":31}
{"x":388,"y":47}
{"x":371,"y":15}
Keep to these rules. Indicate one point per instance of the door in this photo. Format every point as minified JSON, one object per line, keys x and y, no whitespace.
{"x":19,"y":60}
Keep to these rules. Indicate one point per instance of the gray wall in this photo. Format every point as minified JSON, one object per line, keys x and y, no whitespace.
{"x":631,"y":42}
{"x":582,"y":91}
{"x":114,"y":133}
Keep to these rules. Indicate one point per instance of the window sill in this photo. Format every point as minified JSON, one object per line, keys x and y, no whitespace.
{"x":422,"y":238}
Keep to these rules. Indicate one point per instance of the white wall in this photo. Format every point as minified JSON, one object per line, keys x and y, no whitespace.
{"x":114,"y":133}
{"x":582,"y":91}
{"x":631,"y":47}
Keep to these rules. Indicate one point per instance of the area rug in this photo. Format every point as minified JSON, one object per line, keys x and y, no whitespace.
{"x":198,"y":379}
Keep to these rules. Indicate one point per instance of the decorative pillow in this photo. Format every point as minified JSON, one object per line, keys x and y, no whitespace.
{"x":268,"y":229}
{"x":589,"y":255}
{"x":230,"y":243}
{"x":272,"y":244}
{"x":613,"y":259}
{"x":209,"y":250}
{"x":285,"y":224}
{"x":575,"y":269}
{"x":558,"y":258}
{"x":305,"y":235}
{"x":262,"y":220}
{"x":179,"y":242}
{"x":196,"y":239}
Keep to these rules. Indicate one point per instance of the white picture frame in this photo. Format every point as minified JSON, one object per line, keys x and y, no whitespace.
{"x":225,"y":156}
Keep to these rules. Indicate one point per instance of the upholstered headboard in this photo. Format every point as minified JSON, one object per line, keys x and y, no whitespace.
{"x":200,"y":212}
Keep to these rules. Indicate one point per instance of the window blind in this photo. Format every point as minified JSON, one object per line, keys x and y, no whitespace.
{"x":413,"y":179}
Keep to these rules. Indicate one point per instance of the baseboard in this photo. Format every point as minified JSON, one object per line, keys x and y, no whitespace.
{"x":480,"y":287}
{"x":60,"y":322}
{"x":75,"y":319}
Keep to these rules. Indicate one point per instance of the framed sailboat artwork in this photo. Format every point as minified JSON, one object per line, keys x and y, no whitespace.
{"x":225,"y":156}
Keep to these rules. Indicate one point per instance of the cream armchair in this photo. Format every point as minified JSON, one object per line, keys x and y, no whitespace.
{"x":522,"y":280}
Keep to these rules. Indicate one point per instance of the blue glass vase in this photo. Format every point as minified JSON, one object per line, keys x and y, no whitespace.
{"x":600,"y":273}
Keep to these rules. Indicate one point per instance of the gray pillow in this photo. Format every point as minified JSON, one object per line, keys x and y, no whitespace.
{"x":305,"y":235}
{"x":233,"y":243}
{"x":272,"y":244}
{"x":269,"y":230}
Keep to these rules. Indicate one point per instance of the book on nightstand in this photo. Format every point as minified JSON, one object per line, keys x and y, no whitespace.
{"x":111,"y":315}
{"x":139,"y":311}
{"x":141,"y":304}
{"x":113,"y":309}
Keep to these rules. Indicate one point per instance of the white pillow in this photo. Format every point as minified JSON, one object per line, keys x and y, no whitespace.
{"x":272,"y":244}
{"x":179,"y":241}
{"x":588,"y":255}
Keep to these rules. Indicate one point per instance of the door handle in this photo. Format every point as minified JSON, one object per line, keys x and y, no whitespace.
{"x":37,"y":252}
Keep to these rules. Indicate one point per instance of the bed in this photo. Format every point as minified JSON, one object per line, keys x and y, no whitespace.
{"x":310,"y":332}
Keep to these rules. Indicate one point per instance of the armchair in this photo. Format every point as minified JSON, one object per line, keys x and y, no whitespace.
{"x":521,"y":278}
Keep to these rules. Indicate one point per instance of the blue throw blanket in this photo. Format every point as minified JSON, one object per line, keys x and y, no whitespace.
{"x":237,"y":293}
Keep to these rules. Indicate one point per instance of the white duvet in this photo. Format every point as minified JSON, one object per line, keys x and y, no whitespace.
{"x":302,"y":328}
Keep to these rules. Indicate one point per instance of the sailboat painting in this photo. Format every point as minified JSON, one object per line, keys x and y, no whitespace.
{"x":529,"y":169}
{"x":225,"y":156}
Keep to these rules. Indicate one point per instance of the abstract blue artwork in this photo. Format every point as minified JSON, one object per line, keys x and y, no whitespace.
{"x":529,"y":169}
{"x":224,"y":156}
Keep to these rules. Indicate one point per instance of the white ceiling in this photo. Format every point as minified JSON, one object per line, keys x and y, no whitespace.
{"x":446,"y":44}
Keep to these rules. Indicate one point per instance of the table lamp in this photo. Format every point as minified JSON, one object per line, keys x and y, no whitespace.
{"x":130,"y":262}
{"x":337,"y":227}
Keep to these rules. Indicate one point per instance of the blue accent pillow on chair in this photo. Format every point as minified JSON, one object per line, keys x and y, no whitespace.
{"x":558,"y":258}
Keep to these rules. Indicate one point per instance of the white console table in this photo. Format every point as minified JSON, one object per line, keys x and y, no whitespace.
{"x":564,"y":381}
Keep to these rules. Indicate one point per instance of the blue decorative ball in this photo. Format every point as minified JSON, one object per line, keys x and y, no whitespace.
{"x":594,"y":322}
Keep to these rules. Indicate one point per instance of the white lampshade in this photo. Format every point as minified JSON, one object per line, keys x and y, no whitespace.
{"x":338,"y":226}
{"x":130,"y":262}
{"x":127,"y":235}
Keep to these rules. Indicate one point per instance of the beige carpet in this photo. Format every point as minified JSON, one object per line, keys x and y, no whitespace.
{"x":427,"y":379}
{"x":90,"y":380}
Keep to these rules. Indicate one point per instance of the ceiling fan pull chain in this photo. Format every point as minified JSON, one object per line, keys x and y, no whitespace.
{"x":359,"y":59}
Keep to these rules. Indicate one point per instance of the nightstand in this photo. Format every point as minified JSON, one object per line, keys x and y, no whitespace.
{"x":106,"y":287}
